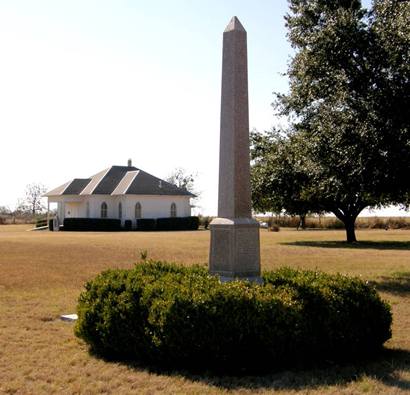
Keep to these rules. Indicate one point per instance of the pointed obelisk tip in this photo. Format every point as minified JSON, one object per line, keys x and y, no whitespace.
{"x":234,"y":24}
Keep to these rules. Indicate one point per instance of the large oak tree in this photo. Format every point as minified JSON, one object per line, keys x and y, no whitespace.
{"x":348,"y":106}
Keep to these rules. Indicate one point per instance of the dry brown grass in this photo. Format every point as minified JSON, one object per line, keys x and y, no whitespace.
{"x":42,"y":274}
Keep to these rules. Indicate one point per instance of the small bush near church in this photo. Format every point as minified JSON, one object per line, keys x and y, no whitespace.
{"x":142,"y":224}
{"x":145,"y":224}
{"x":177,"y":223}
{"x":92,"y":224}
{"x":171,"y":315}
{"x":193,"y":223}
{"x":168,"y":223}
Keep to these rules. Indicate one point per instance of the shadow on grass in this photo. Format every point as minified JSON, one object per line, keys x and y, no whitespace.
{"x":397,"y":284}
{"x":374,"y":245}
{"x":384,"y":369}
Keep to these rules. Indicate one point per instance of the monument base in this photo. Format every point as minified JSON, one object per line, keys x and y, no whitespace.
{"x":234,"y":252}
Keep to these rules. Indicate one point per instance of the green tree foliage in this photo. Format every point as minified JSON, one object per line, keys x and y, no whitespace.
{"x":278,"y":177}
{"x":348,"y":104}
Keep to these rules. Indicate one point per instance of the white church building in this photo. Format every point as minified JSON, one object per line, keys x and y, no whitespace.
{"x":121,"y":192}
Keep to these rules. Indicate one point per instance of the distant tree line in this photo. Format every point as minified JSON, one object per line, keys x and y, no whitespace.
{"x":28,"y":206}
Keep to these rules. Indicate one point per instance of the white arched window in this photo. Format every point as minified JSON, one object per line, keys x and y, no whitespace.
{"x":119,"y":210}
{"x":103,"y":210}
{"x":87,"y":208}
{"x":138,"y":210}
{"x":173,"y":210}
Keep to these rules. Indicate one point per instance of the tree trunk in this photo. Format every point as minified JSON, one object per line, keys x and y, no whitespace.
{"x":303,"y":221}
{"x":350,"y":230}
{"x":349,"y":220}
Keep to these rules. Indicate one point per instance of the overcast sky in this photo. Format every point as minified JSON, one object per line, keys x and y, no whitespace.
{"x":88,"y":84}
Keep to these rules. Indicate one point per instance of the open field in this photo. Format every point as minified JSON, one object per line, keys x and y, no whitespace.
{"x":42,"y":274}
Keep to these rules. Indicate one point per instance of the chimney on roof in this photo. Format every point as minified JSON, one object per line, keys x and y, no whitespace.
{"x":129,"y":162}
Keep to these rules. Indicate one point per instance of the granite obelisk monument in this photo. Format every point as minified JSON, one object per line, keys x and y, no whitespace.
{"x":234,"y":251}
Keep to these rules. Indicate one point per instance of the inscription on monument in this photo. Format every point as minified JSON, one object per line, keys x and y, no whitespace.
{"x":247,"y":248}
{"x":220,"y":246}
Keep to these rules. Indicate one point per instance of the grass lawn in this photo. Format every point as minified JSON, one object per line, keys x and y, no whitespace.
{"x":42,"y":274}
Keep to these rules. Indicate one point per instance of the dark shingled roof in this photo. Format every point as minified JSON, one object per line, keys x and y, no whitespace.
{"x":129,"y":180}
{"x":146,"y":184}
{"x":111,"y":180}
{"x":76,"y":186}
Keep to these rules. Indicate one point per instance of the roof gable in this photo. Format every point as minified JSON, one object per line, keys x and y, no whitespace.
{"x":59,"y":190}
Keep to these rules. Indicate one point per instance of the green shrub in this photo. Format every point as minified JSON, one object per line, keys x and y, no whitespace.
{"x":350,"y":319}
{"x":192,"y":223}
{"x":177,"y":223}
{"x":170,"y":223}
{"x":146,"y":224}
{"x":177,"y":316}
{"x":92,"y":224}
